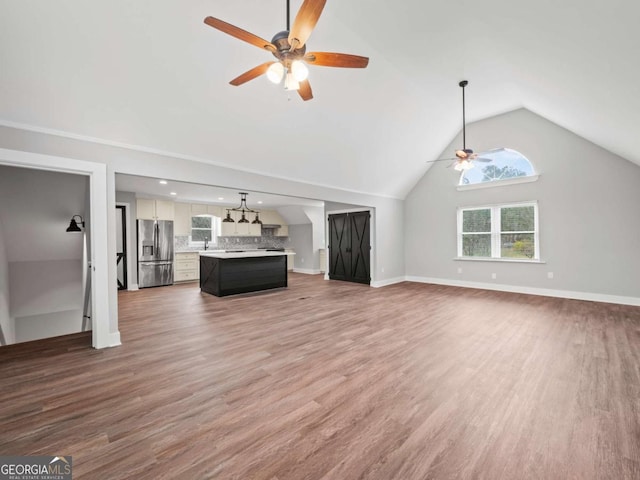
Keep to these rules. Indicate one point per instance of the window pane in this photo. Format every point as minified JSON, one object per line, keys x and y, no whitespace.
{"x":199,"y":235}
{"x":517,"y":219}
{"x":476,"y":245}
{"x":201,"y":222}
{"x":517,"y":245}
{"x":476,"y":220}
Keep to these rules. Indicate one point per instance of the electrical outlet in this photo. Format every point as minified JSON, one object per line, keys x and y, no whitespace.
{"x":382,"y":269}
{"x":459,"y":269}
{"x":302,"y":260}
{"x":549,"y":274}
{"x":494,"y":276}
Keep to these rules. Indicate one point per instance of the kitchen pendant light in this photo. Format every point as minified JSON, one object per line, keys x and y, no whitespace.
{"x":244,"y":209}
{"x":228,"y":219}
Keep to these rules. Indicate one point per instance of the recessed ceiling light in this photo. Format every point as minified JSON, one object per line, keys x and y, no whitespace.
{"x":172,"y":193}
{"x":163,"y":182}
{"x":220,"y":198}
{"x":260,"y":202}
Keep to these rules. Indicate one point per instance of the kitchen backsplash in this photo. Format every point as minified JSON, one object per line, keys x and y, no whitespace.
{"x":224,"y":243}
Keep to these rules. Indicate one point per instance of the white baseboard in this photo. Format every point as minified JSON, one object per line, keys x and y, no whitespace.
{"x":308,"y":271}
{"x":546,"y":292}
{"x":389,"y":281}
{"x":133,"y":287}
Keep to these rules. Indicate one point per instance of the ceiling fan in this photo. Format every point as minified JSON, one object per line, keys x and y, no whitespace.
{"x":289,"y":48}
{"x":464,"y":156}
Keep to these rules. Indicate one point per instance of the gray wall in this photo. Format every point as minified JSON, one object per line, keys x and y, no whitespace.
{"x":301,"y":237}
{"x":6,"y":321}
{"x":45,"y":266}
{"x":588,"y":206}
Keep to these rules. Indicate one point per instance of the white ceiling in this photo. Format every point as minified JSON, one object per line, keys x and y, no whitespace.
{"x":150,"y":187}
{"x":152,"y":74}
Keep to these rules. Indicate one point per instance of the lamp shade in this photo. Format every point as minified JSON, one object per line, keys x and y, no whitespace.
{"x":243,"y":219}
{"x":228,"y":219}
{"x":73,"y":225}
{"x":299,"y":70}
{"x":257,"y":221}
{"x":275,"y":72}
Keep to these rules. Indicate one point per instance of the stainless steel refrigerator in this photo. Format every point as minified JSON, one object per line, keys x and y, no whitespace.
{"x":155,"y":253}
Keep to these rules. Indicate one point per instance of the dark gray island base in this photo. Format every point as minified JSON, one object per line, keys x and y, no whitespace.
{"x":231,"y":273}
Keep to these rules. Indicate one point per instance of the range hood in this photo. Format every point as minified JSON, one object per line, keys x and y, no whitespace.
{"x":270,"y":226}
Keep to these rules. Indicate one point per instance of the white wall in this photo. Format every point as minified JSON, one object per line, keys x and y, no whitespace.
{"x":7,"y":323}
{"x":588,"y":206}
{"x":44,"y":261}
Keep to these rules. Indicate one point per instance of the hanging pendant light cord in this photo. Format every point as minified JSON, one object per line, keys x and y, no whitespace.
{"x":464,"y":122}
{"x":288,"y":29}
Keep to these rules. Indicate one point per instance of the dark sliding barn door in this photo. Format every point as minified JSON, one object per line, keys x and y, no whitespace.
{"x":350,"y":247}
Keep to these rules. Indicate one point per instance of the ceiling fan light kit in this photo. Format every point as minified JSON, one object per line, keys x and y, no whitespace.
{"x":289,"y":48}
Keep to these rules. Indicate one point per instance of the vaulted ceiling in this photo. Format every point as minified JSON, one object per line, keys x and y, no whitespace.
{"x":152,"y":74}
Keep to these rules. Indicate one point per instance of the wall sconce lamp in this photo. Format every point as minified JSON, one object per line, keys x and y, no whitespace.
{"x":73,"y":225}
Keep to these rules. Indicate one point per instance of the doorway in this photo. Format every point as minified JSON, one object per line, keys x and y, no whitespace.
{"x":350,"y":247}
{"x":121,"y":247}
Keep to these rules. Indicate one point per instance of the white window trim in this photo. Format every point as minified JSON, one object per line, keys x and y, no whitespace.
{"x":498,"y":183}
{"x":496,"y":232}
{"x":213,"y":240}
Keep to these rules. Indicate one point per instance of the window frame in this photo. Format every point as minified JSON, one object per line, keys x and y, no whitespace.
{"x":496,"y":231}
{"x":215,"y":226}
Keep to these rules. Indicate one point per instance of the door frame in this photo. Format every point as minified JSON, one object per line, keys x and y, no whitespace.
{"x":131,"y":284}
{"x":100,"y":259}
{"x":372,"y":236}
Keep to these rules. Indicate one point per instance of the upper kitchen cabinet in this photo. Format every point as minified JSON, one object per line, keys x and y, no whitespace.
{"x":236,"y":229}
{"x":147,"y":209}
{"x":182,"y":222}
{"x":202,"y":209}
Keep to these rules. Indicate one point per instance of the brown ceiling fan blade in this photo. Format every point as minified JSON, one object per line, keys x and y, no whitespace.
{"x":305,"y":22}
{"x":251,"y":74}
{"x":305,"y":90}
{"x":239,"y":33}
{"x":330,"y":59}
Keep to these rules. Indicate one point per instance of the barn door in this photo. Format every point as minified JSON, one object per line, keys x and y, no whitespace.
{"x":349,"y":247}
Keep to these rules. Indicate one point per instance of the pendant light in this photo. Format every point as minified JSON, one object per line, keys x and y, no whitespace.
{"x":244,"y":209}
{"x":228,"y":219}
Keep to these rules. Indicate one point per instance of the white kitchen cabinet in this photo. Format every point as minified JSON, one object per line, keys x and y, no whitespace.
{"x":182,"y":220}
{"x":202,"y":209}
{"x":148,"y":209}
{"x":187,"y":267}
{"x":236,"y":229}
{"x":323,"y":260}
{"x":283,"y":231}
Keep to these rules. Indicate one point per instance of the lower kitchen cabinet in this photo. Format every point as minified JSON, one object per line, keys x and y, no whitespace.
{"x":187,"y":267}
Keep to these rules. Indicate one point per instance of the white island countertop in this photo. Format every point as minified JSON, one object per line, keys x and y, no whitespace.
{"x":252,"y":253}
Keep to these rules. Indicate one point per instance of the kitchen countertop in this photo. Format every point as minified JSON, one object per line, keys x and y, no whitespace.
{"x":247,"y":254}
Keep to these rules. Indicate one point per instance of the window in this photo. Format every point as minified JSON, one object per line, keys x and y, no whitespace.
{"x":499,"y":231}
{"x":204,"y":226}
{"x":496,"y":166}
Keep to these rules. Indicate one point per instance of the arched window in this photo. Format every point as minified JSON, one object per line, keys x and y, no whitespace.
{"x":498,"y":165}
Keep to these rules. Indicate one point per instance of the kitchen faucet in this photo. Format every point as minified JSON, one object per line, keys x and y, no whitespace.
{"x":206,"y":243}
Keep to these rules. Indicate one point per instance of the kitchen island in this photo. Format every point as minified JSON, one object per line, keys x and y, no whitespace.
{"x":229,"y":273}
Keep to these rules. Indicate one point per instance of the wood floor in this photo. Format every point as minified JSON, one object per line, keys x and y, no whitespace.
{"x":332,"y":380}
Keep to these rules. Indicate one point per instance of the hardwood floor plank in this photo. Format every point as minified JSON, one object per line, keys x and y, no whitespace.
{"x":333,"y":380}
